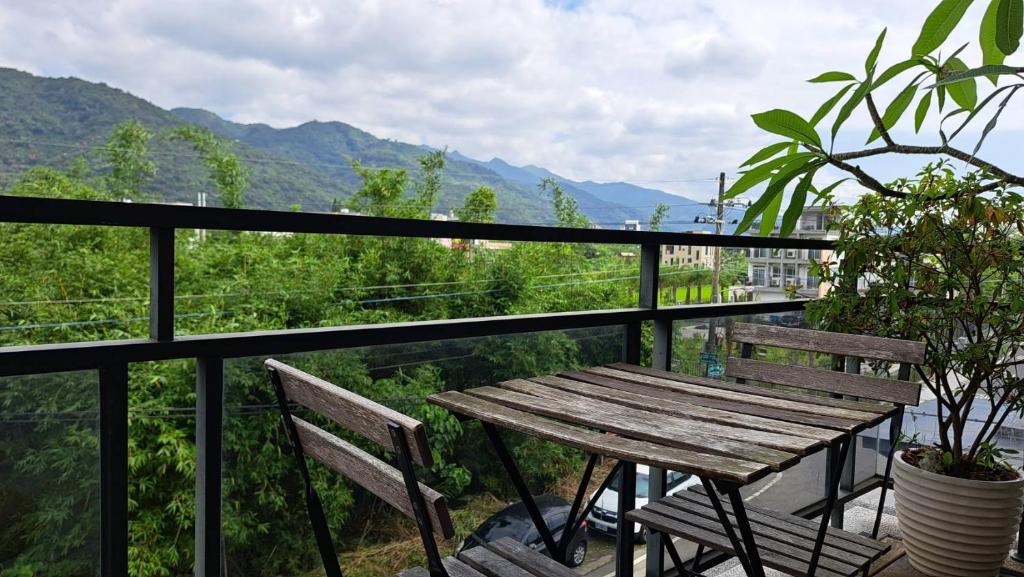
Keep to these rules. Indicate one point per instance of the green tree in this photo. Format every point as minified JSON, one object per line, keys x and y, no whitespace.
{"x":567,"y":210}
{"x":226,"y":171}
{"x":658,"y":216}
{"x":127,"y":153}
{"x":480,"y":206}
{"x":428,"y":189}
{"x":935,"y":79}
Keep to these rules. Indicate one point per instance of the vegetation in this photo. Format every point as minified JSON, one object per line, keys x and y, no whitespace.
{"x":64,"y":284}
{"x":942,"y":264}
{"x":934,"y":77}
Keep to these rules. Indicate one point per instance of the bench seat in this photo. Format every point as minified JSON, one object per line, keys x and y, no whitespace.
{"x":502,"y":558}
{"x":785,"y":542}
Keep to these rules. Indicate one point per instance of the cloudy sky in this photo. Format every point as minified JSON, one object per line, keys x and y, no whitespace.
{"x":655,"y":93}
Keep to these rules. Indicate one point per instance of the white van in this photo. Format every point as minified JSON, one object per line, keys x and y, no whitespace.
{"x":604,"y":516}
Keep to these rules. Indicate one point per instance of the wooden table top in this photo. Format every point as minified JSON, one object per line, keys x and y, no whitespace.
{"x":711,"y":428}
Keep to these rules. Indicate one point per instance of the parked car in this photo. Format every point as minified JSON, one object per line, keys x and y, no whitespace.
{"x":514,"y":521}
{"x":604,"y":516}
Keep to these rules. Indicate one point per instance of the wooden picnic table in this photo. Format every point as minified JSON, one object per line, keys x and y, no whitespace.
{"x":727,"y":433}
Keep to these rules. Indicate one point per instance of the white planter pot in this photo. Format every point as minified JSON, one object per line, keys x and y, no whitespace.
{"x":955,"y":527}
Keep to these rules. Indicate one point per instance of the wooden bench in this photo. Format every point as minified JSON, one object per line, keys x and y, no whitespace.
{"x":398,"y":487}
{"x":784,"y":542}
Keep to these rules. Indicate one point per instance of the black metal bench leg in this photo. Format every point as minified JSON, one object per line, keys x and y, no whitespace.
{"x":726,"y":522}
{"x":412,"y":487}
{"x":624,"y":542}
{"x":830,"y":502}
{"x":521,"y":489}
{"x":895,"y":430}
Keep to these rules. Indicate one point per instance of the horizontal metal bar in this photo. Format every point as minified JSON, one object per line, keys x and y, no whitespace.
{"x":88,"y":212}
{"x":32,"y":359}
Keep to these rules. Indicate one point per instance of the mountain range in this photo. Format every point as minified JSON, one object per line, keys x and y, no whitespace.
{"x":55,"y":121}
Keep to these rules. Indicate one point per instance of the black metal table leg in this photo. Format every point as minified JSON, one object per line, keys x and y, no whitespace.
{"x":743,"y":524}
{"x":830,"y":502}
{"x":726,"y":522}
{"x":895,"y":430}
{"x":570,"y":523}
{"x":524,"y":492}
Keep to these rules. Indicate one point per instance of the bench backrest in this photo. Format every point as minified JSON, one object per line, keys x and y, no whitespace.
{"x":900,"y":390}
{"x":374,"y":422}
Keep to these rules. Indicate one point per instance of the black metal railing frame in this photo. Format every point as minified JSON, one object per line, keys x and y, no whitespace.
{"x":111,"y":358}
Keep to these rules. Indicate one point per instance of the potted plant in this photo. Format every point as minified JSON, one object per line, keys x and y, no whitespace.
{"x":944,"y":263}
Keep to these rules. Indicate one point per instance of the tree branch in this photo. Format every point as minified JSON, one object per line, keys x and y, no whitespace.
{"x":882,"y":130}
{"x":866,"y":179}
{"x":945,"y":149}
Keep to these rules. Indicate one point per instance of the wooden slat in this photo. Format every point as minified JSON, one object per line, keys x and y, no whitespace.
{"x":809,"y":526}
{"x":352,"y":411}
{"x":893,"y":390}
{"x":637,"y":424}
{"x":372,"y":474}
{"x":896,"y":350}
{"x":720,"y":542}
{"x":738,"y":407}
{"x":688,"y":410}
{"x":537,"y":563}
{"x":454,"y":567}
{"x":491,"y":564}
{"x":641,"y":452}
{"x":823,"y":400}
{"x":778,"y":529}
{"x":752,"y":396}
{"x":767,"y":539}
{"x":736,"y":430}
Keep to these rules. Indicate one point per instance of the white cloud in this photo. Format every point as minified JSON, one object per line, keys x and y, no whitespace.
{"x":600,"y":89}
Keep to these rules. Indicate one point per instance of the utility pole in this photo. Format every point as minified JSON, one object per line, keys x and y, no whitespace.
{"x":716,"y":290}
{"x":711,"y":345}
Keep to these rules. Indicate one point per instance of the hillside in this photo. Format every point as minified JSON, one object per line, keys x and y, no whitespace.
{"x":55,"y":121}
{"x":607,"y":203}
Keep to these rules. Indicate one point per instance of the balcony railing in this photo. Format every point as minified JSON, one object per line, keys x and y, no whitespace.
{"x":110,"y":359}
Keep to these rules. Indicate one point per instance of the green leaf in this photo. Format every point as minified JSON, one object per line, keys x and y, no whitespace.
{"x":938,"y":25}
{"x":990,"y":70}
{"x":872,"y":58}
{"x":760,"y":173}
{"x":851,"y":104}
{"x":796,"y":204}
{"x":789,"y":170}
{"x":771,"y":214}
{"x":895,"y":110}
{"x":1009,"y":25}
{"x":788,"y":124}
{"x":922,"y":111}
{"x":752,"y":213}
{"x":829,"y":104}
{"x":963,"y":92}
{"x":766,"y":153}
{"x":833,"y":76}
{"x":895,"y":70}
{"x":823,"y":193}
{"x":990,"y":52}
{"x":940,"y":92}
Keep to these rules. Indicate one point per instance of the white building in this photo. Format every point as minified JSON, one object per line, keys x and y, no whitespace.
{"x":633,"y":225}
{"x":688,"y":255}
{"x":771,"y":270}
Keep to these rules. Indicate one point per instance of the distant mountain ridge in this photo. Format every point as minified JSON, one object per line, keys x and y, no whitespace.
{"x":53,"y":121}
